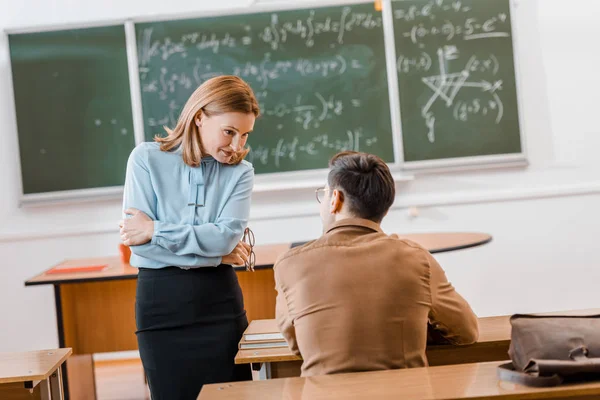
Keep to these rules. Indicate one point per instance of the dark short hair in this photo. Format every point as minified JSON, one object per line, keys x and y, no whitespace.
{"x":365,"y":181}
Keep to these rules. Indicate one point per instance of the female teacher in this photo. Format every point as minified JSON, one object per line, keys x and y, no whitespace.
{"x":187,"y":202}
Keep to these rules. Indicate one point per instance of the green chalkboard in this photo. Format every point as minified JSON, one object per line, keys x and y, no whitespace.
{"x":319,"y":75}
{"x":73,"y":107}
{"x":456,"y":78}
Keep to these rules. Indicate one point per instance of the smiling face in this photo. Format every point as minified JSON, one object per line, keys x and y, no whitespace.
{"x":223,"y":135}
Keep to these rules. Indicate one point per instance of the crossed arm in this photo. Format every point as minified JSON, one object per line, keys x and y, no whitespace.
{"x":208,"y":244}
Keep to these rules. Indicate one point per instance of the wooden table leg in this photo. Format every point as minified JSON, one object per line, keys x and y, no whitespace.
{"x":264,"y":370}
{"x":56,"y":385}
{"x":45,"y":390}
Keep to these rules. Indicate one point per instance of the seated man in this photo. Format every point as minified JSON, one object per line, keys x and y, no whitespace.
{"x":357,"y":299}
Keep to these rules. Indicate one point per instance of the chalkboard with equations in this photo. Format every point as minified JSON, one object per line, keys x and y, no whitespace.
{"x":456,"y":77}
{"x":319,"y":75}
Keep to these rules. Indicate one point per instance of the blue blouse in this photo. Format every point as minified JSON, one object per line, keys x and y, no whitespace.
{"x":199,"y":213}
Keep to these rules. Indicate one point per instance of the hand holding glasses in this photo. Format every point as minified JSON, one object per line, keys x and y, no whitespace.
{"x":248,"y":238}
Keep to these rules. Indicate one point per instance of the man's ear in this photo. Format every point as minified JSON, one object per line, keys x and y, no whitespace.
{"x":337,"y":202}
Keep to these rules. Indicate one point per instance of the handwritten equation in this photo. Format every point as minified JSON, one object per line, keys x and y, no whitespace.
{"x":311,"y":115}
{"x":471,"y":29}
{"x":309,"y":29}
{"x":276,"y":34}
{"x":290,"y":149}
{"x":307,"y":72}
{"x":263,"y":72}
{"x":462,"y":81}
{"x":428,"y":22}
{"x":428,"y":10}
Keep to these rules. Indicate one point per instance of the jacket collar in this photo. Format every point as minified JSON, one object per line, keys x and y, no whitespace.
{"x":355,"y":222}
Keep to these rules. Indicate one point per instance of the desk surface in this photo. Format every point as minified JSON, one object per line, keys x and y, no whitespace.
{"x":448,"y":241}
{"x":266,"y":255}
{"x":265,"y":258}
{"x":462,"y":381}
{"x":31,"y":365}
{"x":491,"y":330}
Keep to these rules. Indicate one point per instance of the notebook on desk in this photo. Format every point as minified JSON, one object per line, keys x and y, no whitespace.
{"x":262,"y":330}
{"x":262,"y":344}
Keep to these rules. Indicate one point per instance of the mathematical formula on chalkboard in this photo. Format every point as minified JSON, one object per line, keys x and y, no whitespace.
{"x":309,"y":69}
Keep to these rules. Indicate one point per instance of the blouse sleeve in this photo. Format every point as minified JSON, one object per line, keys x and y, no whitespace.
{"x":211,"y":239}
{"x":139,"y":193}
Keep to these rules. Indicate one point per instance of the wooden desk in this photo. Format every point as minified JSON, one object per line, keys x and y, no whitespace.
{"x":493,"y":343}
{"x":95,"y":310}
{"x":448,"y":241}
{"x":463,"y":381}
{"x":32,"y":375}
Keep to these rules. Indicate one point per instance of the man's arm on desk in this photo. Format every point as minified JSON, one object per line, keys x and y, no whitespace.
{"x":282,"y":315}
{"x":451,"y":319}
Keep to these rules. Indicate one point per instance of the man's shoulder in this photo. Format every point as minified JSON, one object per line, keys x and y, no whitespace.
{"x":406,"y":243}
{"x":296,"y":255}
{"x":297,"y":252}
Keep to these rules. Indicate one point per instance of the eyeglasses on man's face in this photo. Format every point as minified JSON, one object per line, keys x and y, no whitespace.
{"x":248,"y":238}
{"x":320,"y":193}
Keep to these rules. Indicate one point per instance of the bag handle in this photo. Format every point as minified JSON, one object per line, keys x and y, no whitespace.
{"x":507,"y":372}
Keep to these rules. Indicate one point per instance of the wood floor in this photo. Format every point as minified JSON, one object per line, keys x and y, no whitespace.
{"x":123,"y":380}
{"x":120,"y":380}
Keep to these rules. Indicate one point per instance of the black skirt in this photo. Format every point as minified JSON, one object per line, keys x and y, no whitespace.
{"x":189,"y":323}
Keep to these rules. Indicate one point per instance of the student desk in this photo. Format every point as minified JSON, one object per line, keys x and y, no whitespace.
{"x":32,"y":375}
{"x":463,"y":381}
{"x":493,"y":343}
{"x":95,"y":310}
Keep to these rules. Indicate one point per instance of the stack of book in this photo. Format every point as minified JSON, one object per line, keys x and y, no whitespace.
{"x":262,"y":334}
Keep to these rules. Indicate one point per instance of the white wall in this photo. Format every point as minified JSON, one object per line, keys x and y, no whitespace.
{"x":544,"y":218}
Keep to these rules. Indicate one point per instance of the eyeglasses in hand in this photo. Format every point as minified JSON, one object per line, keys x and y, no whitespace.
{"x":248,"y":238}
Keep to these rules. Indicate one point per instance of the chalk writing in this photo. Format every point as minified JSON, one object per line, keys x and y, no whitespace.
{"x":434,"y":40}
{"x":308,"y":68}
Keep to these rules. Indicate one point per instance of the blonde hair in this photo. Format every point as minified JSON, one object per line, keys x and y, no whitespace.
{"x":218,"y":95}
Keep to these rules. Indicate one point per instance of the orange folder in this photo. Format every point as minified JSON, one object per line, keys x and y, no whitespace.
{"x":76,"y":268}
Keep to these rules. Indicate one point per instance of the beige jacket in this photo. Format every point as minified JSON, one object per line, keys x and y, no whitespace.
{"x":359,"y":300}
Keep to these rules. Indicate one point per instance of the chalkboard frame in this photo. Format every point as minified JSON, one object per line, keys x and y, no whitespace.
{"x":472,"y":162}
{"x":58,"y":196}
